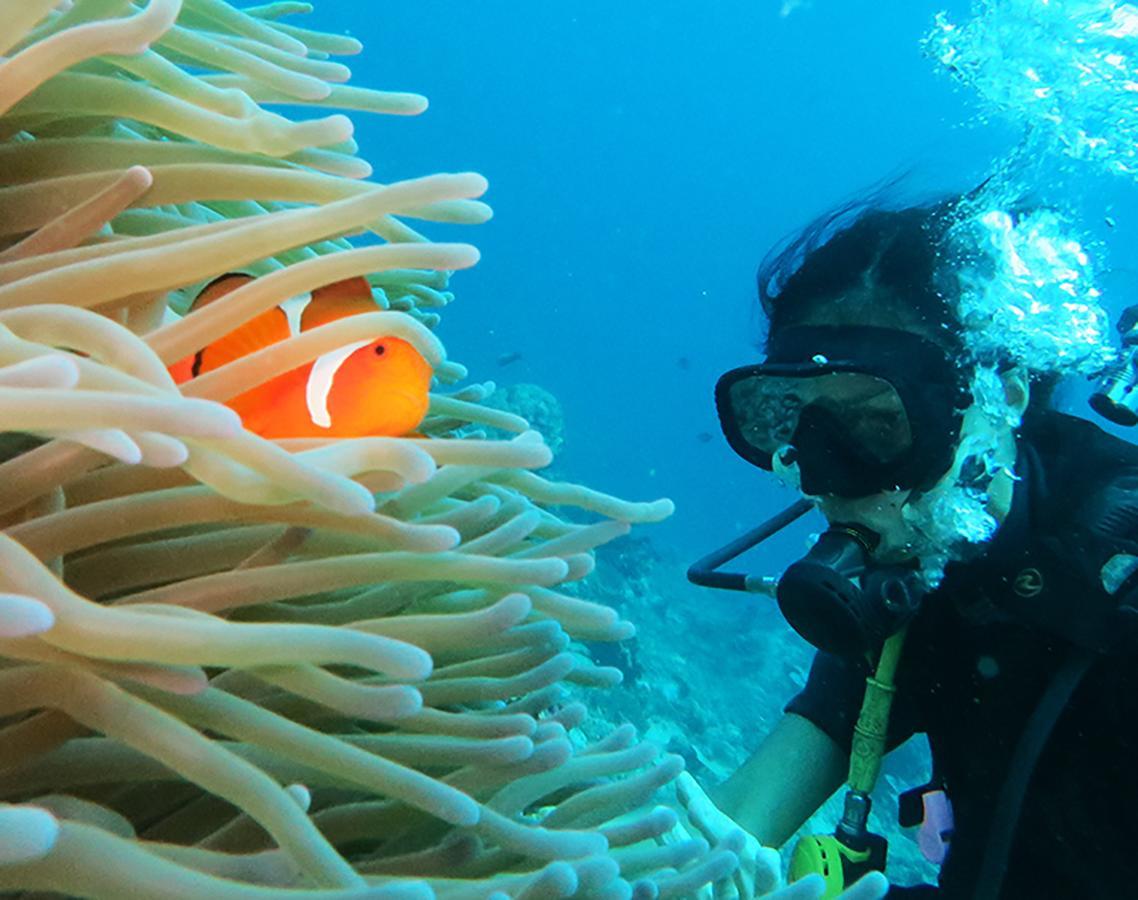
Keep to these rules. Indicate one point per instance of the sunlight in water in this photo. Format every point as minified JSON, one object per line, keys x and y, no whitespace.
{"x":1066,"y":66}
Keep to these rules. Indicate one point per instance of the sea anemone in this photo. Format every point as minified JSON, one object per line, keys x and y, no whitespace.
{"x":234,"y":667}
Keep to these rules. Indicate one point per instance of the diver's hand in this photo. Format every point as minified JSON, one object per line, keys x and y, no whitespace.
{"x":760,"y":870}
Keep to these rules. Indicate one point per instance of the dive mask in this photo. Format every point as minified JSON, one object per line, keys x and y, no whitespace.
{"x":858,"y":409}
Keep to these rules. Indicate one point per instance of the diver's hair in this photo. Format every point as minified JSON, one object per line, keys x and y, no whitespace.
{"x":894,"y":257}
{"x":860,"y":246}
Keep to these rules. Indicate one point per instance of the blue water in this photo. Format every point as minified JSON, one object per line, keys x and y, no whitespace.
{"x":642,"y":157}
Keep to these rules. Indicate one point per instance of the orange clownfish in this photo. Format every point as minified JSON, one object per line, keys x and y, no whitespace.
{"x":366,"y":388}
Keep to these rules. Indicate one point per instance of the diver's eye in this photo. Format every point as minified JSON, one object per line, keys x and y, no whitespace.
{"x":380,"y":350}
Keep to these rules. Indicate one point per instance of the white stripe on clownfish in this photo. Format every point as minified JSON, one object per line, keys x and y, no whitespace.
{"x":294,"y":308}
{"x":320,"y":380}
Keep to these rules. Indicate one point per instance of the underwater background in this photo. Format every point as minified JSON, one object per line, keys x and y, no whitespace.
{"x":348,"y":699}
{"x":642,"y":158}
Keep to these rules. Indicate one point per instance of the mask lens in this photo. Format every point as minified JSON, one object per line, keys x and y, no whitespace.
{"x":866,"y":412}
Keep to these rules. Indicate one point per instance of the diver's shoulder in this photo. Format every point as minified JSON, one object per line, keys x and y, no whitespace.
{"x":1084,"y":485}
{"x":1080,"y":446}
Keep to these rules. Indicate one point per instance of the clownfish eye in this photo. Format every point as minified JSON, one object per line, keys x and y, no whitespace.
{"x":380,"y":350}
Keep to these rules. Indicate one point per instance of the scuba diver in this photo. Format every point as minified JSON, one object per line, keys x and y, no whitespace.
{"x":977,"y":582}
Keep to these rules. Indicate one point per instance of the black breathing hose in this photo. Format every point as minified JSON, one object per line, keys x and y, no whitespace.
{"x":1009,"y":803}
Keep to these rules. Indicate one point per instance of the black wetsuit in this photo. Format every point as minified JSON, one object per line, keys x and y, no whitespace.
{"x":983,"y":649}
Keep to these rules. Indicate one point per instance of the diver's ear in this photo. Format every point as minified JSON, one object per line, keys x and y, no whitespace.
{"x":1017,"y":388}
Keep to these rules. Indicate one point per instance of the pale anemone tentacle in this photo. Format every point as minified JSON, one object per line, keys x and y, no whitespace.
{"x":77,"y":94}
{"x":101,"y":705}
{"x":24,"y":72}
{"x":85,"y":219}
{"x":20,"y":18}
{"x":184,"y":262}
{"x":240,"y":22}
{"x":52,"y":371}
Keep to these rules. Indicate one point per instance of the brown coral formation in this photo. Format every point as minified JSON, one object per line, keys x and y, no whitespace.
{"x":234,"y":668}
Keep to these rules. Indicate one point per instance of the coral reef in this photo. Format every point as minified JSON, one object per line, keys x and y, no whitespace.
{"x":537,"y":406}
{"x":235,"y":668}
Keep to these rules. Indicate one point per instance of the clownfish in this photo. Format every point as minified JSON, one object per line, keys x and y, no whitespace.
{"x":366,"y":388}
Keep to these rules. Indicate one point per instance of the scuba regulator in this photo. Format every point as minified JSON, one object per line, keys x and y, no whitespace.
{"x":843,"y":603}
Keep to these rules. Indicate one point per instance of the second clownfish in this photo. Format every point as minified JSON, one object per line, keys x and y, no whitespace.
{"x":366,"y":388}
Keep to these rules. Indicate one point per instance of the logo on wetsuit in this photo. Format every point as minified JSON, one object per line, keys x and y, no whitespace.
{"x":1029,"y":583}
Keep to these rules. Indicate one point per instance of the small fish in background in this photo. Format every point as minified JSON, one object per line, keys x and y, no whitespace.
{"x":506,"y":358}
{"x":367,"y":388}
{"x":704,"y":437}
{"x":684,"y":363}
{"x":790,"y":6}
